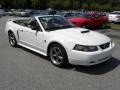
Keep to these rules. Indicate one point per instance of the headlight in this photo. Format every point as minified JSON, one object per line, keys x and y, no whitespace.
{"x":85,"y":48}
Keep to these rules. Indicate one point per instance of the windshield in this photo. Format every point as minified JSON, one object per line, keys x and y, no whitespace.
{"x":54,"y":23}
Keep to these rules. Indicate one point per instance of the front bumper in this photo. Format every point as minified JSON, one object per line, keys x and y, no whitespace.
{"x":91,"y":58}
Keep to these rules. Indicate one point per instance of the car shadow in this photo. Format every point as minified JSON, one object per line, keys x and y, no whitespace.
{"x":99,"y":69}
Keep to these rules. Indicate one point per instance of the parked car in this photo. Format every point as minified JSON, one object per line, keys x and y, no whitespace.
{"x":48,"y":12}
{"x":65,"y":14}
{"x":88,"y":20}
{"x":16,"y":12}
{"x":34,"y":12}
{"x":24,"y":14}
{"x":21,"y":13}
{"x":10,"y":13}
{"x":114,"y":16}
{"x":101,"y":19}
{"x":55,"y":37}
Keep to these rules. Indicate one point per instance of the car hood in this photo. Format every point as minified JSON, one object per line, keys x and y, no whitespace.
{"x":80,"y":36}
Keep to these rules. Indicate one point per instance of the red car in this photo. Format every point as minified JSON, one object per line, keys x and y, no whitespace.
{"x":88,"y":20}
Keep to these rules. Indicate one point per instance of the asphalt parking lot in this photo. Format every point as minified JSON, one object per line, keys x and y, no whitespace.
{"x":21,"y":69}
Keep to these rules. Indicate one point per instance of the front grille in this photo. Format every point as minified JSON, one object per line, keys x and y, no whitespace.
{"x":105,"y":46}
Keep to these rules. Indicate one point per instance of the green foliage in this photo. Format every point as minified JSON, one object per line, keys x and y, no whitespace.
{"x":95,"y":6}
{"x":105,"y":5}
{"x":36,"y":4}
{"x":55,"y":4}
{"x":67,"y":4}
{"x":85,"y":5}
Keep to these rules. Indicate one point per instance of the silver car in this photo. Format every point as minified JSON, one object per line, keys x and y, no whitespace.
{"x":114,"y":16}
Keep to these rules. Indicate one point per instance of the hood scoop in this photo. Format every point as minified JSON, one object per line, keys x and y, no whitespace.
{"x":87,"y":31}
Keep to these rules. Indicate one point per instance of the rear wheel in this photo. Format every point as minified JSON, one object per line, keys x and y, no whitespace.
{"x":57,"y":55}
{"x":12,"y":39}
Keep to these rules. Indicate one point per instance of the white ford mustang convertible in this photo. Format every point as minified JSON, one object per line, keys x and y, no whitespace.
{"x":62,"y":42}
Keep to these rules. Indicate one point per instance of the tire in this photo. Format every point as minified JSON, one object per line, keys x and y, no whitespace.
{"x":57,"y":55}
{"x":12,"y":39}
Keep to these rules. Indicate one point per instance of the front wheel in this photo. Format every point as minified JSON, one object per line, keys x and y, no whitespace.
{"x":57,"y":55}
{"x":12,"y":40}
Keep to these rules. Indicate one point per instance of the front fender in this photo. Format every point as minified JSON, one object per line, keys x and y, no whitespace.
{"x":59,"y":41}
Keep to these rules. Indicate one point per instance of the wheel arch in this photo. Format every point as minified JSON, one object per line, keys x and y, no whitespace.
{"x":10,"y":31}
{"x":54,"y":42}
{"x":15,"y":33}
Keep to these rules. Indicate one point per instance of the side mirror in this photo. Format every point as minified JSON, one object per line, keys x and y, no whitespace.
{"x":34,"y":26}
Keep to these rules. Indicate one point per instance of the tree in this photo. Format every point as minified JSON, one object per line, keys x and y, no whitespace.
{"x":107,"y":5}
{"x":76,"y":4}
{"x":85,"y":6}
{"x":35,"y":4}
{"x":19,"y":4}
{"x":67,"y":4}
{"x":95,"y":6}
{"x":55,"y":4}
